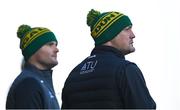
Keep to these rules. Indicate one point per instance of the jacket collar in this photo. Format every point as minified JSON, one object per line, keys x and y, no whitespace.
{"x":107,"y":49}
{"x":34,"y":70}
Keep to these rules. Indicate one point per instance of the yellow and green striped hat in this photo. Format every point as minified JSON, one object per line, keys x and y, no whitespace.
{"x":32,"y":39}
{"x":106,"y":26}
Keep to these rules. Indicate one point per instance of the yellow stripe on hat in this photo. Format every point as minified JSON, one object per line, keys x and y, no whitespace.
{"x":111,"y":17}
{"x":98,"y":22}
{"x":35,"y":33}
{"x":105,"y":27}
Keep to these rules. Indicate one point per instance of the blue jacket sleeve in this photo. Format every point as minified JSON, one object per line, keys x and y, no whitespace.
{"x":27,"y":95}
{"x":134,"y":89}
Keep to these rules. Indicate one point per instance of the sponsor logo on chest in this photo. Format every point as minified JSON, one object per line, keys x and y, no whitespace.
{"x":88,"y":67}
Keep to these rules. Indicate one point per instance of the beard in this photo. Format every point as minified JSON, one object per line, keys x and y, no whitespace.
{"x":49,"y":64}
{"x":128,"y":50}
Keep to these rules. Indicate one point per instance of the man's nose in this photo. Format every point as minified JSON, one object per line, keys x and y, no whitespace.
{"x":132,"y":35}
{"x":57,"y":50}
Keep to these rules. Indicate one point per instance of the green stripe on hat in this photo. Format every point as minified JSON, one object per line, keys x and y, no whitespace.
{"x":106,"y":26}
{"x":113,"y":30}
{"x":37,"y":44}
{"x":32,"y":39}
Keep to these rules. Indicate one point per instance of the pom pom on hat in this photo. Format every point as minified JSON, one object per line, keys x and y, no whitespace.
{"x":105,"y":26}
{"x":22,"y":30}
{"x":92,"y":16}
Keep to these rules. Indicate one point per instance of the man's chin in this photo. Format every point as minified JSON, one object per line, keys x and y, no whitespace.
{"x":54,"y":64}
{"x":133,"y":50}
{"x":130,"y":51}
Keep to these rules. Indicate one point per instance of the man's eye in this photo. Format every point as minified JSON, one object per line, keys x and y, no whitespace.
{"x":51,"y":43}
{"x":128,"y":28}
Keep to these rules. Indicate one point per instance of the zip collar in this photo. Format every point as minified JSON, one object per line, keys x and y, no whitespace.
{"x":107,"y":49}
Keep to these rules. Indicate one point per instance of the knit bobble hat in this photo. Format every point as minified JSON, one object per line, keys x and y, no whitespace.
{"x":105,"y":26}
{"x":32,"y":39}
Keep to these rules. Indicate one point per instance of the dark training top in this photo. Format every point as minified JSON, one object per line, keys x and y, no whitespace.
{"x":106,"y":80}
{"x":32,"y":89}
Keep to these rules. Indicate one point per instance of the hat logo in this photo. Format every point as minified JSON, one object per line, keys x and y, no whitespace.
{"x":32,"y":35}
{"x":104,"y":23}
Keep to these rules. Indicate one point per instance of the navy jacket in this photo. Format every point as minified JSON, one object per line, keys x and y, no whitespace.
{"x":32,"y":89}
{"x":106,"y":80}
